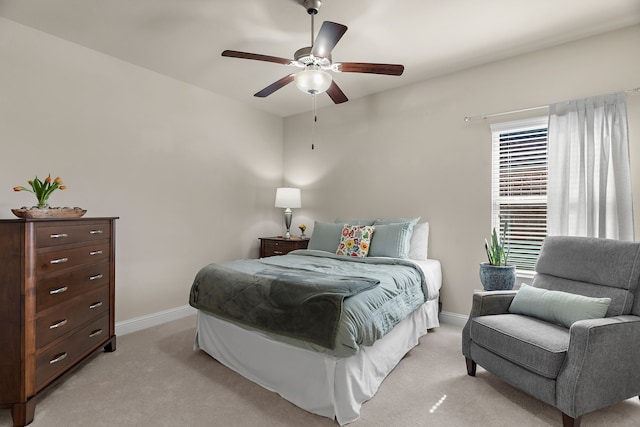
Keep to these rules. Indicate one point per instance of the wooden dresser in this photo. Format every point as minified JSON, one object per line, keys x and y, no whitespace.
{"x":57,"y":289}
{"x":271,"y":246}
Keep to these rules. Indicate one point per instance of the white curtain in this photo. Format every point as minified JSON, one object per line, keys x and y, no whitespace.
{"x":589,"y":182}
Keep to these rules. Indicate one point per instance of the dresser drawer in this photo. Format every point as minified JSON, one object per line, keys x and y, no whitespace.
{"x":63,"y":287}
{"x":63,"y":233}
{"x":62,"y":319}
{"x":50,"y":261}
{"x":54,"y":360}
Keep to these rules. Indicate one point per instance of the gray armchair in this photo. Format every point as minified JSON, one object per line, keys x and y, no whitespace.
{"x":594,"y":363}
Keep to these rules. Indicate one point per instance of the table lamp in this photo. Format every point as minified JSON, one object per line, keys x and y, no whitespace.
{"x":288,"y":198}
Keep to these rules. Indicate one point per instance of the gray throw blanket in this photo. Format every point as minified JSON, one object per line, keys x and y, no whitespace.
{"x":306,"y":305}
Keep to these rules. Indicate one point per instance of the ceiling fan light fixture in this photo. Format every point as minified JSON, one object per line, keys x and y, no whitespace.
{"x":313,"y":81}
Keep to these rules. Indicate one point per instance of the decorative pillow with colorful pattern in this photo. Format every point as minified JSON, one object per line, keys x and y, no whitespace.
{"x":355,"y":240}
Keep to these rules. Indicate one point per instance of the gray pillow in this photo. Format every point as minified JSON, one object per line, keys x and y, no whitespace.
{"x":562,"y":308}
{"x":391,"y":240}
{"x":325,"y":236}
{"x":382,"y":221}
{"x":343,"y":221}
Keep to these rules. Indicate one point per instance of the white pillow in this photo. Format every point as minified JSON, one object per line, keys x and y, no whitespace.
{"x":419,"y":244}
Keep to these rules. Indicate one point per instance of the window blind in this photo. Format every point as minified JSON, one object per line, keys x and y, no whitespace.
{"x":519,"y":188}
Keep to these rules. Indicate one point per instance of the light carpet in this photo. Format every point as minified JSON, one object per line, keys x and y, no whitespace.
{"x":154,"y":378}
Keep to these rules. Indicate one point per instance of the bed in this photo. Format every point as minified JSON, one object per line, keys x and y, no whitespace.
{"x":372,"y":309}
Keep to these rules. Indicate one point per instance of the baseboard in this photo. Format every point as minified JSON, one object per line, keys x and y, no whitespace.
{"x":453,"y":318}
{"x":153,"y":319}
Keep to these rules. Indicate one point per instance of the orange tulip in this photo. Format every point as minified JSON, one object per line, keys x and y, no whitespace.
{"x":43,"y":189}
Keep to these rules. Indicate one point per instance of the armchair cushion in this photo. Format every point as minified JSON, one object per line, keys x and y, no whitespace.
{"x":525,"y":341}
{"x":594,"y":267}
{"x":562,"y":308}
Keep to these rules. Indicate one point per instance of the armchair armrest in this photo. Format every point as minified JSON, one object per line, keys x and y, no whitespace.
{"x":602,"y":364}
{"x":491,"y":302}
{"x":485,"y":303}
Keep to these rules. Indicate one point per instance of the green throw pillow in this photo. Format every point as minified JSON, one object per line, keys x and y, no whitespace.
{"x":325,"y":236}
{"x":562,"y":308}
{"x":391,"y":240}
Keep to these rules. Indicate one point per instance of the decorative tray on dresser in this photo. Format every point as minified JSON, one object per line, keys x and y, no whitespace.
{"x":57,"y":289}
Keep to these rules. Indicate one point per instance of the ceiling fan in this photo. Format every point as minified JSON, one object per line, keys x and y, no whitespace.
{"x":315,"y":62}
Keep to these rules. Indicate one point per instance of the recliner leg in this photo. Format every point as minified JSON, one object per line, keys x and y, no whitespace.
{"x":471,"y":367}
{"x":568,"y":421}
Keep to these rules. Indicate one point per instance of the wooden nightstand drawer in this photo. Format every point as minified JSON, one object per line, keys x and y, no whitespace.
{"x":64,"y":233}
{"x":277,"y":248}
{"x":273,"y":246}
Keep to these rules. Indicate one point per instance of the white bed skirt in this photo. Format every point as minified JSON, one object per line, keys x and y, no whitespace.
{"x":321,"y":384}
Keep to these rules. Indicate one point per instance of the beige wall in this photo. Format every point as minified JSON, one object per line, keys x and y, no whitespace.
{"x":408,"y":152}
{"x":190,"y":181}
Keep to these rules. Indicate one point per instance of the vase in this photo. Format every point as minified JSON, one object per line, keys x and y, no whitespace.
{"x":497,"y":277}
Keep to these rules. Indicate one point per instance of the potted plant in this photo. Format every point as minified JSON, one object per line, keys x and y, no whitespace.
{"x":42,"y":189}
{"x":497,"y":274}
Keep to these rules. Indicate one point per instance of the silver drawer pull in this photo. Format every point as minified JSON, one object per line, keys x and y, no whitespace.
{"x":95,"y":333}
{"x":95,"y":232}
{"x":57,"y":358}
{"x":95,"y":252}
{"x":59,"y":260}
{"x":58,"y":291}
{"x":59,"y":324}
{"x":96,"y":277}
{"x":95,"y":305}
{"x":278,"y":252}
{"x":59,"y":235}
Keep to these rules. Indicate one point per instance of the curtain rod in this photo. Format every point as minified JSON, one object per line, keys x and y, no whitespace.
{"x":468,"y":119}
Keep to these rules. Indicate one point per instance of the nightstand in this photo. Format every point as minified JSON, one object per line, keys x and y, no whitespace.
{"x":278,"y":245}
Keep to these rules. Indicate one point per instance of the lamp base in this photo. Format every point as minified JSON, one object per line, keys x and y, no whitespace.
{"x":287,"y":222}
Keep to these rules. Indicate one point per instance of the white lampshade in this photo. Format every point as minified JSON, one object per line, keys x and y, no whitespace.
{"x":313,"y":81}
{"x":287,"y":197}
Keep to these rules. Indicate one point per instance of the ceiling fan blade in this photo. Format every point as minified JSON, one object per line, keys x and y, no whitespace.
{"x":275,"y":86}
{"x":328,"y":36}
{"x":255,"y":56}
{"x":366,"y":67}
{"x":336,"y":94}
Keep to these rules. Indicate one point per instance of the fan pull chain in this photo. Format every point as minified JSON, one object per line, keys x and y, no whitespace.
{"x":314,"y":118}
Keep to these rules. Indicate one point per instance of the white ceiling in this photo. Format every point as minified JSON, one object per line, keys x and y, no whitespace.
{"x":183,"y":39}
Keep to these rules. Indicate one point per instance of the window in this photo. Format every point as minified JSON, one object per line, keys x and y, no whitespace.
{"x":519,"y":189}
